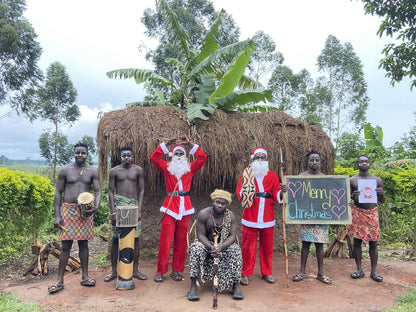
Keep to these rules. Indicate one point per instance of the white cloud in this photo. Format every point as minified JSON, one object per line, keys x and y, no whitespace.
{"x":21,"y":139}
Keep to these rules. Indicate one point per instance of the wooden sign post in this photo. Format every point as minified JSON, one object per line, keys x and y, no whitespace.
{"x":317,"y":199}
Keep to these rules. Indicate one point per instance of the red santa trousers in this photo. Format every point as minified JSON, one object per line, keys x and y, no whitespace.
{"x":176,"y":231}
{"x":249,"y":249}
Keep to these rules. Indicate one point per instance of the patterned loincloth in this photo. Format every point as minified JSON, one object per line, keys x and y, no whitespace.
{"x":365,"y":224}
{"x":120,"y":200}
{"x":230,"y":264}
{"x":75,"y":227}
{"x":314,"y":233}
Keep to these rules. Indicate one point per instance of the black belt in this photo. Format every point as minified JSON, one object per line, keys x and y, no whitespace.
{"x":179,"y":193}
{"x":263,"y":194}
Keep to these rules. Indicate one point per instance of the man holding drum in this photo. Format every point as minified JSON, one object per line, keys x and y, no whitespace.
{"x":125,"y":188}
{"x":74,"y":179}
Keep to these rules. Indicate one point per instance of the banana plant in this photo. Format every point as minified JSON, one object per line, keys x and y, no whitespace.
{"x":209,"y":75}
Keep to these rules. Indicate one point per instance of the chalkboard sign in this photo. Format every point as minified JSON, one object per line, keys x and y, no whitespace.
{"x":317,"y":199}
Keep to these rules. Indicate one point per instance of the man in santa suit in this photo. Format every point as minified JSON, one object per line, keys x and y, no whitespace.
{"x":177,"y":207}
{"x":258,"y":215}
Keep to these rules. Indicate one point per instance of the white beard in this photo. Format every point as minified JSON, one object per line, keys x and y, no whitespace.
{"x":260,"y":168}
{"x":179,"y":166}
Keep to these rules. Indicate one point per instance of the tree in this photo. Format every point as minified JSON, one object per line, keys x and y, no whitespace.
{"x":349,"y":147}
{"x":399,"y":19}
{"x":281,"y":84}
{"x":55,"y":149}
{"x":347,"y":88}
{"x":292,"y":92}
{"x":205,"y":83}
{"x":194,"y":15}
{"x":56,"y":103}
{"x":264,"y":57}
{"x":19,"y":54}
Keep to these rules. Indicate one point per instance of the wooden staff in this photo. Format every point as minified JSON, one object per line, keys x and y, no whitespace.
{"x":215,"y":281}
{"x":284,"y":221}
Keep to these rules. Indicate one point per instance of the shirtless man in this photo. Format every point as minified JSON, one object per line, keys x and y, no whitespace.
{"x":316,"y":233}
{"x":125,"y":187}
{"x":365,"y":223}
{"x":204,"y":255}
{"x":73,"y":180}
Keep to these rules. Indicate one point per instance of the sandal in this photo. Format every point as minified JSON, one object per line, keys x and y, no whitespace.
{"x":89,"y":282}
{"x":140,"y":276}
{"x":158,"y":278}
{"x":269,"y":279}
{"x":238,"y":294}
{"x":109,"y":277}
{"x":193,"y":296}
{"x":55,"y":288}
{"x":357,"y":274}
{"x":324,"y":279}
{"x":298,"y":277}
{"x":244,"y":281}
{"x":376,"y":277}
{"x":176,"y":276}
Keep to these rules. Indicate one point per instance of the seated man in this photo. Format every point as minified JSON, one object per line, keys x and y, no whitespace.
{"x":225,"y":258}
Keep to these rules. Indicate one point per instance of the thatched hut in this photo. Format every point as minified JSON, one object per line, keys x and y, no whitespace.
{"x":227,"y":138}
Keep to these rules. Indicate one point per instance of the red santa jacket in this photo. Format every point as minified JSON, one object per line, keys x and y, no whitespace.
{"x":180,"y":205}
{"x":261,"y":213}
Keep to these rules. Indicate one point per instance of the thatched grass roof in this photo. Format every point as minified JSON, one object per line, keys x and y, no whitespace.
{"x":227,"y":138}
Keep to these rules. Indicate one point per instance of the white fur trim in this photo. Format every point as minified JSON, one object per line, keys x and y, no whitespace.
{"x":178,"y":148}
{"x":259,"y":150}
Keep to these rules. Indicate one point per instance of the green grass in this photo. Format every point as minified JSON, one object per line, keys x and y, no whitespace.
{"x":42,"y":171}
{"x":406,"y":301}
{"x":10,"y":303}
{"x":100,"y":260}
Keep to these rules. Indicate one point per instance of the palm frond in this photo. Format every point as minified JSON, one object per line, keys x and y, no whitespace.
{"x":139,"y":75}
{"x":210,"y":42}
{"x":202,"y":111}
{"x":210,"y":63}
{"x":177,"y":63}
{"x":233,"y":75}
{"x":242,"y":97}
{"x":174,"y":29}
{"x":246,"y":82}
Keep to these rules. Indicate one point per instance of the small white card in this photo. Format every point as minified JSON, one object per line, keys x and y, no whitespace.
{"x":367,"y":188}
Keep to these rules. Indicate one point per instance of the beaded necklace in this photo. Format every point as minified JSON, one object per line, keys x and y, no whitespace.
{"x":217,"y":228}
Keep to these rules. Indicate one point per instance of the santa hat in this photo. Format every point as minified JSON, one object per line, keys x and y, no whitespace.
{"x":258,"y":150}
{"x":175,"y":149}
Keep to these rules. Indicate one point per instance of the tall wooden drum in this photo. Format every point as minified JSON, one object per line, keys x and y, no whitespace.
{"x":126,"y":222}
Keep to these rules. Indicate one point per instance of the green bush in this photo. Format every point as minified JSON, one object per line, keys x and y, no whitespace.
{"x":101,"y":216}
{"x":338,"y":170}
{"x":25,"y":203}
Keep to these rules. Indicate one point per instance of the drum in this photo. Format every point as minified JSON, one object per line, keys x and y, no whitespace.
{"x":126,"y":216}
{"x":85,"y":202}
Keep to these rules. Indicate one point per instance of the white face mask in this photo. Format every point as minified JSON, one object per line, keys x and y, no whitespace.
{"x":260,"y":167}
{"x":179,"y":166}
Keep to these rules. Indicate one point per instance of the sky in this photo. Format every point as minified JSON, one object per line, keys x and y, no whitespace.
{"x":91,"y":37}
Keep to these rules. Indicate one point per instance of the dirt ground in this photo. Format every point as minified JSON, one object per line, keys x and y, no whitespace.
{"x":345,"y":294}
